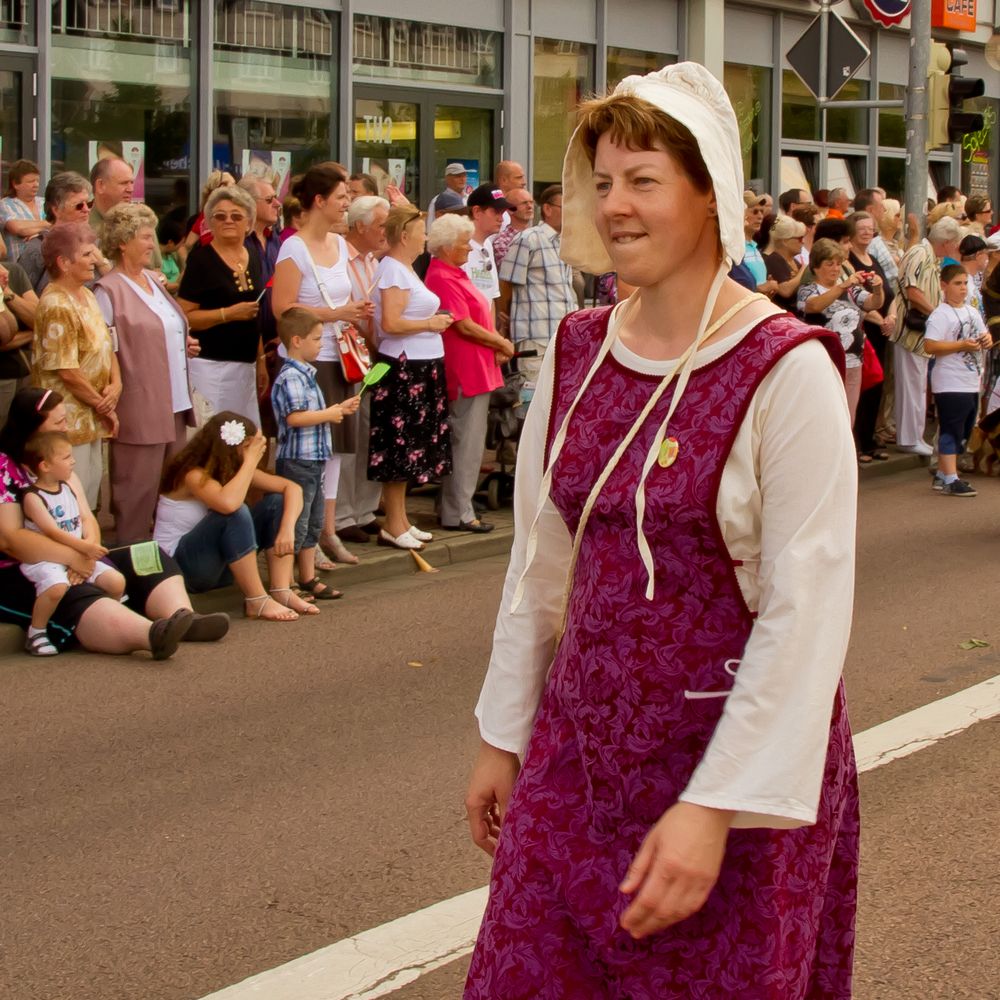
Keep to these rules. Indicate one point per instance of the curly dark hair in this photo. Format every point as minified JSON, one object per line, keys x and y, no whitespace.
{"x":207,"y":451}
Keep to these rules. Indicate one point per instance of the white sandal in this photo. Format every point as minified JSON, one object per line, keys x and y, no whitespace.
{"x":40,"y":644}
{"x":309,"y":609}
{"x":403,"y":541}
{"x":256,"y":611}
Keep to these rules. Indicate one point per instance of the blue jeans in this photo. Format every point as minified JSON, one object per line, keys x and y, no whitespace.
{"x":308,"y":475}
{"x":218,"y":540}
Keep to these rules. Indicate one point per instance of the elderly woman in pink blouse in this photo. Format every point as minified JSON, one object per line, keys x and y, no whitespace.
{"x":473,"y":351}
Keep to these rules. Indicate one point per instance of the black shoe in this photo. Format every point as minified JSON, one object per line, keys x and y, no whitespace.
{"x":207,"y":628}
{"x":476,"y":527}
{"x":165,"y":634}
{"x":354,"y":534}
{"x":371,"y":528}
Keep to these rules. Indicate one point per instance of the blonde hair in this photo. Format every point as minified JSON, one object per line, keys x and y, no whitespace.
{"x":216,"y":179}
{"x":399,"y":217}
{"x":122,"y":224}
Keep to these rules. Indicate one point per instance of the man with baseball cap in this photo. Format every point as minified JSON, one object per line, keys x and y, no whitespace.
{"x":975,"y":255}
{"x":486,"y":209}
{"x":453,"y":195}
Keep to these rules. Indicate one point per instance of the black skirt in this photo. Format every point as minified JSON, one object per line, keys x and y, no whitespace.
{"x":410,"y":438}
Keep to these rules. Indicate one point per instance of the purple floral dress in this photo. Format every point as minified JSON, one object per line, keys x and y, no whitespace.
{"x":616,"y":741}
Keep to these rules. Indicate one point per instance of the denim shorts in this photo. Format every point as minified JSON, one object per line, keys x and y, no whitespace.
{"x":308,"y":475}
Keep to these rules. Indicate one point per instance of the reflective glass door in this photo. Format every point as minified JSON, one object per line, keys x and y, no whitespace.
{"x":17,"y":121}
{"x":387,"y":143}
{"x":466,"y":134}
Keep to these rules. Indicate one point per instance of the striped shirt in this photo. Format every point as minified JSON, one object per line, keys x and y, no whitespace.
{"x":918,"y":269}
{"x":13,"y":209}
{"x":295,"y":389}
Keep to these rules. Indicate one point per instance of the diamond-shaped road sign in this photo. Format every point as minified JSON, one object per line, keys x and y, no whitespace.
{"x":846,"y":54}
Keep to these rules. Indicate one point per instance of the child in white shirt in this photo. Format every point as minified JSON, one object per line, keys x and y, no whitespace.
{"x":57,"y":509}
{"x":955,"y":339}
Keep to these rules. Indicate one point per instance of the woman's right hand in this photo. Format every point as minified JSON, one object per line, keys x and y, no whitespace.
{"x":490,"y":787}
{"x":439,"y":322}
{"x":356,"y":312}
{"x":242,"y":311}
{"x":80,"y":565}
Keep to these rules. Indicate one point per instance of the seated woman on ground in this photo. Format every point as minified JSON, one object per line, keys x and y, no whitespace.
{"x":85,"y":614}
{"x":203,"y":519}
{"x":55,"y":508}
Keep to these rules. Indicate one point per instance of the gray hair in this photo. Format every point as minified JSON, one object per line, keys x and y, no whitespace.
{"x":60,"y":187}
{"x":251,"y":183}
{"x":363,"y":209}
{"x":448,"y":230}
{"x":238,"y":196}
{"x":122,"y":224}
{"x":946,"y":230}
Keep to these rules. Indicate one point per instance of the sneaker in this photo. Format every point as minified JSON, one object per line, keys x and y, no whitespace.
{"x":959,"y":488}
{"x":937,"y":483}
{"x":920,"y":448}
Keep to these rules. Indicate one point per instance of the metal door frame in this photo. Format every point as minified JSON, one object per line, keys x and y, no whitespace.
{"x":27,"y":66}
{"x":426,"y":98}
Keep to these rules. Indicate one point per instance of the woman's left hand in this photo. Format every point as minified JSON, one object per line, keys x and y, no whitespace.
{"x":110,"y":420}
{"x":889,"y":325}
{"x":675,"y":869}
{"x":193,"y":347}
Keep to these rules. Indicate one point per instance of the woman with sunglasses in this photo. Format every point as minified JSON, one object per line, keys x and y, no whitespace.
{"x":220,"y":291}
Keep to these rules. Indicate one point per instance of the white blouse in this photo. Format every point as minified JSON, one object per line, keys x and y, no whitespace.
{"x":787,"y":510}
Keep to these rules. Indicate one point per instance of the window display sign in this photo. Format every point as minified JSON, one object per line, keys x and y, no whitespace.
{"x":132,"y":151}
{"x":273,"y":165}
{"x":958,"y":15}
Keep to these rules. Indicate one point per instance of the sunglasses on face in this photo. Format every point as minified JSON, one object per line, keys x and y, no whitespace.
{"x":82,"y":206}
{"x":228,"y":217}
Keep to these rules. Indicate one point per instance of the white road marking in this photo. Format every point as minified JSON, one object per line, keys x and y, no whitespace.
{"x":387,"y":958}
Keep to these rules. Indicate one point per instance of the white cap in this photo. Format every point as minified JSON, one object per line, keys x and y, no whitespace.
{"x":688,"y":93}
{"x":455,"y":168}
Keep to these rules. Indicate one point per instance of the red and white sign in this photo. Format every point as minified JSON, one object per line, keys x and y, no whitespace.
{"x":957,"y":15}
{"x":888,"y":12}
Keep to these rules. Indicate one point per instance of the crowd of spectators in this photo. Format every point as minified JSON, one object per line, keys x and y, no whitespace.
{"x":176,"y":357}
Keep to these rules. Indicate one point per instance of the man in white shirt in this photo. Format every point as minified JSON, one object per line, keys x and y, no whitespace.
{"x":486,"y":208}
{"x":453,"y":195}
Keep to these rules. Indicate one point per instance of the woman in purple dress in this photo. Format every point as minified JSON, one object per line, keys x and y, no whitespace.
{"x":666,"y":777}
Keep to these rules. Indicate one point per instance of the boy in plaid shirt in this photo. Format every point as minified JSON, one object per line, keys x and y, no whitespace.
{"x":304,"y":440}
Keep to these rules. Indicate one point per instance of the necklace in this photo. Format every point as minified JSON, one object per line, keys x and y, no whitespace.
{"x":241,"y":269}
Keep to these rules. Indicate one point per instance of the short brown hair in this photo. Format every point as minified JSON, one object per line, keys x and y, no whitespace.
{"x":19,"y":169}
{"x":637,"y":124}
{"x":64,"y":239}
{"x":824,"y":250}
{"x":550,"y":194}
{"x":808,"y":215}
{"x":41,"y":447}
{"x":296,"y":322}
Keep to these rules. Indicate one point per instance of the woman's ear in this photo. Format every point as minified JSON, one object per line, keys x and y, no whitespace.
{"x":713,"y":207}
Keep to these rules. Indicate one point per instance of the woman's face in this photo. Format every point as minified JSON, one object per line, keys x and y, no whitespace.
{"x":55,"y":419}
{"x":652,"y":219}
{"x":458,"y":254}
{"x":335,"y":204}
{"x":27,"y":187}
{"x":864,"y":232}
{"x":80,"y":269}
{"x":414,"y":239}
{"x":793,"y":245}
{"x":138,"y":252}
{"x":229,"y":222}
{"x":828,"y":272}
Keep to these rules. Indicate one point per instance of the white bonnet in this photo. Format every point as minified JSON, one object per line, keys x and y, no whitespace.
{"x":690,"y":94}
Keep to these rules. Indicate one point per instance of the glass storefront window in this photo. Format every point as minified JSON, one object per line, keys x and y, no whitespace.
{"x":631,"y":62}
{"x":464,"y":134}
{"x":892,"y":175}
{"x":122,"y":86}
{"x":563,"y":75}
{"x":800,"y":118}
{"x":11,"y":102}
{"x":891,"y":122}
{"x":17,"y":21}
{"x":386,"y":143}
{"x":749,"y":89}
{"x":273,"y":88}
{"x":390,"y":48}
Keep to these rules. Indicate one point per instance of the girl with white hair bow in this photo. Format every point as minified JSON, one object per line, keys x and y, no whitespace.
{"x":666,"y":776}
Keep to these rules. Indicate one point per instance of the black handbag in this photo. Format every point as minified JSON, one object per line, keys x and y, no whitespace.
{"x":915,"y":320}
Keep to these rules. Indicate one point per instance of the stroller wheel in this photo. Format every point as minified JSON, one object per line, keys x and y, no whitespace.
{"x":493,"y":493}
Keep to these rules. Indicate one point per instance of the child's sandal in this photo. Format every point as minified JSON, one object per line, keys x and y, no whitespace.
{"x":316,"y":588}
{"x":40,"y":644}
{"x":253,"y":607}
{"x":306,"y":609}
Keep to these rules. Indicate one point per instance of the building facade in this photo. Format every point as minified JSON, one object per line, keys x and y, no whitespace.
{"x":182,"y":87}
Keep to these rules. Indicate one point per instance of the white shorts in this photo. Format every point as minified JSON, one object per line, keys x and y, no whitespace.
{"x":49,"y":574}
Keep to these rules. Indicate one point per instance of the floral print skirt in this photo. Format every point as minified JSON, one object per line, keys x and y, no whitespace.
{"x":410,"y":438}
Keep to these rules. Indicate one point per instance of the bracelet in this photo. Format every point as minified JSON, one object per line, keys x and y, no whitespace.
{"x":222,"y":310}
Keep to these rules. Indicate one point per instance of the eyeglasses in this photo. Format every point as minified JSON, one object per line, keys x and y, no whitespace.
{"x":270,"y":199}
{"x":228,"y":217}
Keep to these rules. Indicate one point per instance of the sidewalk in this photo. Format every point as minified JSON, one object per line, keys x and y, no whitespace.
{"x":449,"y":547}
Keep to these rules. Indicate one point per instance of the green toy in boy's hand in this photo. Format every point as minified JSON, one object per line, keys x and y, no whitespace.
{"x":375,"y":374}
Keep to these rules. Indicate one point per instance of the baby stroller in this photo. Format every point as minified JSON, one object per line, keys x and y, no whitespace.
{"x":503,"y":431}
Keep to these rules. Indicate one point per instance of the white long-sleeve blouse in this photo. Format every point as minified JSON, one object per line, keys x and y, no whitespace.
{"x":787,"y":511}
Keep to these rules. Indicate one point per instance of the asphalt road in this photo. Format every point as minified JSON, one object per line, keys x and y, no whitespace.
{"x":169,"y":829}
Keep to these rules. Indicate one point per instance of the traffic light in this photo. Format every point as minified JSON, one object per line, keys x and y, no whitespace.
{"x":947,"y":89}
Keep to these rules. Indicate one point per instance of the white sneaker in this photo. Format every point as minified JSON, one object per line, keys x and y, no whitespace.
{"x":421,"y":536}
{"x":920,"y":448}
{"x":403,"y":541}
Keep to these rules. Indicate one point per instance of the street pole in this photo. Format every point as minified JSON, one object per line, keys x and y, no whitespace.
{"x":916,"y":110}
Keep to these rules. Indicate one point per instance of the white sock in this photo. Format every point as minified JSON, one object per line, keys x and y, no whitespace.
{"x":948,"y":480}
{"x":32,"y":631}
